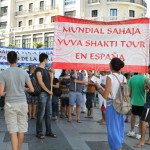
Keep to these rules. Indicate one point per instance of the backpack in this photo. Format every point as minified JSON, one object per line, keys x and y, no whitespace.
{"x":36,"y":86}
{"x":122,"y":101}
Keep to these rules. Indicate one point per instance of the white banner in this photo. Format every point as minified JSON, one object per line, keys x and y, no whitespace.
{"x":25,"y":56}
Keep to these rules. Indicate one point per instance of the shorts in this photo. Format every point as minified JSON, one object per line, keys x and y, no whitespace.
{"x":31,"y":99}
{"x":146,"y":115}
{"x":75,"y":98}
{"x":89,"y":100}
{"x":64,"y":101}
{"x":137,"y":110}
{"x":16,"y":117}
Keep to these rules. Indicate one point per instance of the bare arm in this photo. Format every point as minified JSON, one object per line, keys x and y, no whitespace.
{"x":56,"y":86}
{"x":41,"y":83}
{"x":106,"y":92}
{"x":2,"y":87}
{"x":30,"y":87}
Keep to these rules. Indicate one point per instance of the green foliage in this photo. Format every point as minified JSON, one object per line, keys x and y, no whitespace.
{"x":12,"y":45}
{"x":38,"y":45}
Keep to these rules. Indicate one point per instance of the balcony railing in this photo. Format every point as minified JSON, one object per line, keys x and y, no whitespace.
{"x":68,"y":2}
{"x":93,"y":1}
{"x":140,"y":2}
{"x":3,"y":14}
{"x":32,"y":28}
{"x":35,"y":10}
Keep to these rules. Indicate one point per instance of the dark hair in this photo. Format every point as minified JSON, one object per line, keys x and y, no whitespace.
{"x":42,"y":57}
{"x":63,"y":73}
{"x":116,"y":64}
{"x":12,"y":57}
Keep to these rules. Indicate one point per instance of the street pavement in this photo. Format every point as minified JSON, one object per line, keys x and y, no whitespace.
{"x":88,"y":135}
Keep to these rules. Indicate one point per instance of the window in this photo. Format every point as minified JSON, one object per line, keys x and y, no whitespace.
{"x":31,"y":7}
{"x":53,"y":3}
{"x":3,"y":25}
{"x":49,"y":41}
{"x":19,"y":23}
{"x":113,"y":12}
{"x":70,"y":13}
{"x":41,"y":4}
{"x":41,"y":21}
{"x":52,"y":19}
{"x":95,"y":1}
{"x":2,"y":43}
{"x":38,"y":39}
{"x":68,"y":2}
{"x":20,"y":7}
{"x":26,"y":43}
{"x":4,"y":11}
{"x":18,"y":43}
{"x":94,"y":13}
{"x":131,"y":13}
{"x":132,"y":1}
{"x":30,"y":22}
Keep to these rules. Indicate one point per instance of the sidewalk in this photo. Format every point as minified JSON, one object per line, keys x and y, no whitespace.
{"x":88,"y":135}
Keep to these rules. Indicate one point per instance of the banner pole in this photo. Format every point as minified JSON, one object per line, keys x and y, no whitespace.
{"x":52,"y":77}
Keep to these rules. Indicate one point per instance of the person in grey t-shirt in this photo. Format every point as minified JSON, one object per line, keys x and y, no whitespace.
{"x":75,"y":94}
{"x":12,"y":86}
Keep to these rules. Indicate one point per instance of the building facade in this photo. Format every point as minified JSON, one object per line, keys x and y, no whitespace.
{"x":23,"y":22}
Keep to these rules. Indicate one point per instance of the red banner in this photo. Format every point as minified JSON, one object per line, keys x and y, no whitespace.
{"x":90,"y":45}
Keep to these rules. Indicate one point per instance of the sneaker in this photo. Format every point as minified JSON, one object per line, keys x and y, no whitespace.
{"x":131,"y":134}
{"x":40,"y":136}
{"x":138,"y":136}
{"x":51,"y":134}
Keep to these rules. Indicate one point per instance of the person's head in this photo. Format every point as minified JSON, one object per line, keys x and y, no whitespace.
{"x":12,"y":57}
{"x":103,"y":73}
{"x":83,"y":72}
{"x":64,"y":72}
{"x":116,"y":64}
{"x":43,"y":58}
{"x":89,"y":72}
{"x":32,"y":67}
{"x":127,"y":75}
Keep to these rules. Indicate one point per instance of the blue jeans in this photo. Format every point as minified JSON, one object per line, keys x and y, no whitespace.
{"x":54,"y":106}
{"x":43,"y":111}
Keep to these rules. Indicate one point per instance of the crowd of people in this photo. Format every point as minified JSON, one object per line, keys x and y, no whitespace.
{"x":74,"y":90}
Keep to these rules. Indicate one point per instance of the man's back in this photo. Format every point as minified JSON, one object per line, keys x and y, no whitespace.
{"x":136,"y":84}
{"x":14,"y":79}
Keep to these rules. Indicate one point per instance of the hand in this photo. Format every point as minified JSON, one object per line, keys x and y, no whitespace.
{"x":50,"y":93}
{"x":97,"y":85}
{"x":75,"y":81}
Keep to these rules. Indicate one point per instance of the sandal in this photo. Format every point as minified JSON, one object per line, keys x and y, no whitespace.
{"x":79,"y":121}
{"x":138,"y":146}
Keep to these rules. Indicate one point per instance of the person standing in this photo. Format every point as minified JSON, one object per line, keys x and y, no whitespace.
{"x":102,"y":101}
{"x":31,"y":100}
{"x":43,"y":107}
{"x":114,"y":120}
{"x":145,"y":117}
{"x":91,"y":88}
{"x":75,"y":94}
{"x":137,"y":91}
{"x":12,"y":86}
{"x":64,"y":84}
{"x":84,"y":90}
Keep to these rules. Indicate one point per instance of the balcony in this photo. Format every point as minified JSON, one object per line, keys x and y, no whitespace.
{"x":36,"y":11}
{"x":93,"y":1}
{"x":68,"y":2}
{"x":140,"y":2}
{"x":33,"y":28}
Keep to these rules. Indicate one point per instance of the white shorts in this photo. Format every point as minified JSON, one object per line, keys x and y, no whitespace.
{"x":101,"y":101}
{"x":16,"y":117}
